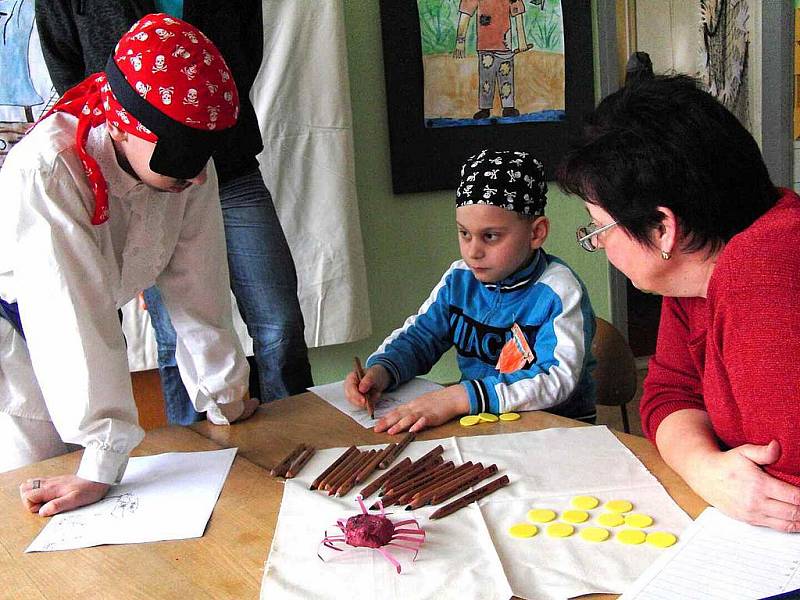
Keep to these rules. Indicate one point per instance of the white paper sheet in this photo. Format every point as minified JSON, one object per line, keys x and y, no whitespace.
{"x":161,"y":497}
{"x":719,"y":558}
{"x":333,"y":394}
{"x":470,"y":554}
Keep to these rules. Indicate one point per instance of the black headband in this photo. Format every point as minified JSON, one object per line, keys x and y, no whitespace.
{"x":181,"y":151}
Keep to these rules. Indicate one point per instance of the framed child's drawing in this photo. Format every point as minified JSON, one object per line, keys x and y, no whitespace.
{"x":462,"y":75}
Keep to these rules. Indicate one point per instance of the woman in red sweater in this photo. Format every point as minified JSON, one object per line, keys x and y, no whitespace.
{"x":682,"y":204}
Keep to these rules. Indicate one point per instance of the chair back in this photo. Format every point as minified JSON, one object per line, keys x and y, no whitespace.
{"x":615,"y":373}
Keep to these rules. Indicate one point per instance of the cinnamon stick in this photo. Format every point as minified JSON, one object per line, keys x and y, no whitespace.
{"x":343,"y":456}
{"x":482,"y":492}
{"x":373,"y":487}
{"x":279,"y":470}
{"x":401,"y":445}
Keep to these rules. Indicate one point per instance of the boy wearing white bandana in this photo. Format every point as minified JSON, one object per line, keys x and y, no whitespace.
{"x":505,"y":293}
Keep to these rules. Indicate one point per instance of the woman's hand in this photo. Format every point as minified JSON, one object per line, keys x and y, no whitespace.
{"x":51,"y":495}
{"x":375,"y":380}
{"x":429,"y":410}
{"x":734,"y":481}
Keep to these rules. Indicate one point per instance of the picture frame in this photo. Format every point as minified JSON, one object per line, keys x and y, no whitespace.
{"x":426,"y":159}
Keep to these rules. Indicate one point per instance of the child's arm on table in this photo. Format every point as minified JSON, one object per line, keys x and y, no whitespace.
{"x":429,"y":410}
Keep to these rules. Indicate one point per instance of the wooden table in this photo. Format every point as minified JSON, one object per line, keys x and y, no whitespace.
{"x":228,"y":561}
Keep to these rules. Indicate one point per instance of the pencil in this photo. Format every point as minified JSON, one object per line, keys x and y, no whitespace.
{"x":421,"y":496}
{"x":359,"y":376}
{"x":481,"y":492}
{"x":373,"y":487}
{"x":350,"y":480}
{"x":324,"y":484}
{"x":333,"y":465}
{"x":406,"y":492}
{"x":372,"y":465}
{"x":465,"y":475}
{"x":338,"y":486}
{"x":279,"y":470}
{"x":417,"y":468}
{"x":421,"y":479}
{"x":399,"y":447}
{"x":455,"y":491}
{"x":300,"y":462}
{"x":336,"y":480}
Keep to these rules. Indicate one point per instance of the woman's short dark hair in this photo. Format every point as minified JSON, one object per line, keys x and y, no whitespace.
{"x":662,"y":141}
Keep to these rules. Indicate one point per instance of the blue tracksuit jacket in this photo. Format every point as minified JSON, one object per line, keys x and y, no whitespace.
{"x":550,"y":304}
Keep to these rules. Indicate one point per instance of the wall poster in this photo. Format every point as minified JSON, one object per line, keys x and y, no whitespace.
{"x":463,"y":75}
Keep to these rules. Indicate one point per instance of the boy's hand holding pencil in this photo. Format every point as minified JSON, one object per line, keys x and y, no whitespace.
{"x":363,"y":388}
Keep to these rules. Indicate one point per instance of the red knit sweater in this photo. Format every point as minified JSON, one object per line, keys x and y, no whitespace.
{"x":736,"y":354}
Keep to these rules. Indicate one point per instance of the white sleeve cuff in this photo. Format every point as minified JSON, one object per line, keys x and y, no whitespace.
{"x":224,"y":414}
{"x":102,"y":466}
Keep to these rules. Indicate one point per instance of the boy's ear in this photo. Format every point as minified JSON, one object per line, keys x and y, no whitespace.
{"x":540,"y":227}
{"x":116,"y":133}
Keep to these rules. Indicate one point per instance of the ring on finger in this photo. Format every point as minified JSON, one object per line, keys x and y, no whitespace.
{"x":37,"y":483}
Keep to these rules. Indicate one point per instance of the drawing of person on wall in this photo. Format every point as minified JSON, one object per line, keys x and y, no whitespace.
{"x":495,"y":49}
{"x":16,"y":86}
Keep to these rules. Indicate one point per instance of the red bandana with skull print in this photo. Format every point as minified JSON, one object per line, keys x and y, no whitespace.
{"x":175,"y":68}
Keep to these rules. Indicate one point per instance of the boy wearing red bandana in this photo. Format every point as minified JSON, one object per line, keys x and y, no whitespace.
{"x":110,"y":191}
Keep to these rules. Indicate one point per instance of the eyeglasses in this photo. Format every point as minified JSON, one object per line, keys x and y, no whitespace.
{"x":587,"y":235}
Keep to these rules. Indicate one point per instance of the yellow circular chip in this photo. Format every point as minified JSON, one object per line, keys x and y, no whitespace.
{"x":523,"y":530}
{"x":509,"y":416}
{"x":560,"y":530}
{"x":638,"y":520}
{"x":594,"y":534}
{"x":631,"y":536}
{"x":487,"y":417}
{"x":574,"y":516}
{"x":610,"y":520}
{"x":541,"y":515}
{"x":661,"y":539}
{"x":618,"y":506}
{"x":585,"y":502}
{"x":470,"y":420}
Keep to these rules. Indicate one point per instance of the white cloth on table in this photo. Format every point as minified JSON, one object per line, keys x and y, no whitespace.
{"x":69,"y":277}
{"x":470,"y":554}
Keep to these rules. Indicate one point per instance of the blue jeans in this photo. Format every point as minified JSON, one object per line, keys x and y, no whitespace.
{"x":264,"y":282}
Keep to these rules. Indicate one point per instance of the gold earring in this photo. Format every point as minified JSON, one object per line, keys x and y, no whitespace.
{"x":665,"y":255}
